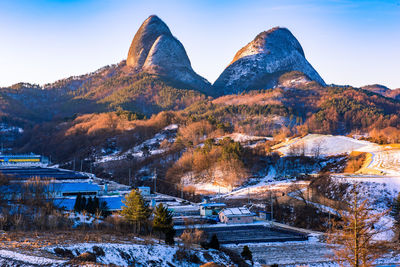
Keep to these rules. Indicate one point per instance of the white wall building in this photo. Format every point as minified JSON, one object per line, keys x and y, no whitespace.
{"x":235,"y":215}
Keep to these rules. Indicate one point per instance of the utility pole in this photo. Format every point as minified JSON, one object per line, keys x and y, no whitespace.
{"x":248,"y":195}
{"x":272,"y":208}
{"x":129,"y":181}
{"x":74,"y":164}
{"x":329,"y":219}
{"x":155,"y":180}
{"x":181,"y":191}
{"x":81,"y":165}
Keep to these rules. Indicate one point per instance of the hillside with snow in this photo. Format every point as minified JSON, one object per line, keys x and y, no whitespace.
{"x":325,"y":145}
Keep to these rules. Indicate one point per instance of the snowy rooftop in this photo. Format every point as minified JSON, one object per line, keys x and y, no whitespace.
{"x":233,"y":212}
{"x":213,"y":205}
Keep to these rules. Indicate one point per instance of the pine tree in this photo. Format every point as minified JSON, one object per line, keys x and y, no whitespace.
{"x":78,"y":203}
{"x":162,"y":222}
{"x":83,"y":204}
{"x":135,"y":210}
{"x":169,"y":236}
{"x":246,"y":254}
{"x":104,"y":209}
{"x":96,"y":204}
{"x":214,"y":243}
{"x":90,"y":206}
{"x":354,"y":234}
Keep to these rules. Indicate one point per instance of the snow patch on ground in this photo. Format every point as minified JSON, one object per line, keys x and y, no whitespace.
{"x":27,"y":259}
{"x":380,"y":192}
{"x":386,"y":161}
{"x":328,"y":145}
{"x":140,"y":254}
{"x":149,"y":147}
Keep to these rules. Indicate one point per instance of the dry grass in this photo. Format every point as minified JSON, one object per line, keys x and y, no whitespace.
{"x":357,"y":160}
{"x":37,"y":240}
{"x":267,"y":98}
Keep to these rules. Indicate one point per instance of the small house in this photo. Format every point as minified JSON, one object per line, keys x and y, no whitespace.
{"x":144,"y":190}
{"x":236,"y":215}
{"x":211,"y":209}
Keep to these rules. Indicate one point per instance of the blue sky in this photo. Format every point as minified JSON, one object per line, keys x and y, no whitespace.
{"x":347,"y":42}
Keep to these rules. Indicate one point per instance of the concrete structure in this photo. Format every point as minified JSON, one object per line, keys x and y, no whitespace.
{"x":211,"y":209}
{"x":235,"y":215}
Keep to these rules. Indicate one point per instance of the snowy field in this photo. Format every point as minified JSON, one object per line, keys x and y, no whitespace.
{"x":380,"y":191}
{"x":386,"y":161}
{"x":328,"y":145}
{"x":289,"y":253}
{"x":12,"y":258}
{"x":312,"y":253}
{"x":142,"y":254}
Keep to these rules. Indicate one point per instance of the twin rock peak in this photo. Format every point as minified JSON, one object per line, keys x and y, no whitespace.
{"x":258,"y":65}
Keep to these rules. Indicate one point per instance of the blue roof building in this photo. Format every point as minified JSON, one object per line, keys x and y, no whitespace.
{"x":74,"y":189}
{"x":114,"y":203}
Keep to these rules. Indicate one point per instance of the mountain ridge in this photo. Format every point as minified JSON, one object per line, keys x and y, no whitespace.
{"x":260,"y":63}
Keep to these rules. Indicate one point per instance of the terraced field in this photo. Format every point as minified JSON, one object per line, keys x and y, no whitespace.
{"x":386,"y":162}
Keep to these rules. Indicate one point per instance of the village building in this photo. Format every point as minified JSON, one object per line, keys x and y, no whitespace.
{"x":211,"y":209}
{"x":74,"y":189}
{"x":236,"y":215}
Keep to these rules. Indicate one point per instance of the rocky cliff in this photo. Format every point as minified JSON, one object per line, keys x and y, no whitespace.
{"x":261,"y":62}
{"x":155,"y":50}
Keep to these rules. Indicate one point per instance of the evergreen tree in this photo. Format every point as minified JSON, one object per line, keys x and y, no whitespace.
{"x":135,"y":210}
{"x":169,"y":236}
{"x":90,"y":206}
{"x":96,"y":204}
{"x":104,"y":209}
{"x":83,"y":203}
{"x":214,"y":243}
{"x":78,"y":203}
{"x":246,"y":254}
{"x":162,"y":222}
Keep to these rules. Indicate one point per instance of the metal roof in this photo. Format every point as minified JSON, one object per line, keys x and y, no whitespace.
{"x":24,"y":173}
{"x":75,"y":187}
{"x":235,"y":212}
{"x":113,"y":202}
{"x":213,"y":204}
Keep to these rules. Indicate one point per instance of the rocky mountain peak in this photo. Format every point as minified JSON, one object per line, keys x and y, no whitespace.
{"x":156,"y":51}
{"x":261,"y":62}
{"x":279,"y":39}
{"x":144,"y":38}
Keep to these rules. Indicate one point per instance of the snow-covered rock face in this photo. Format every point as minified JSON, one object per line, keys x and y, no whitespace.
{"x":156,"y":51}
{"x":262,"y":61}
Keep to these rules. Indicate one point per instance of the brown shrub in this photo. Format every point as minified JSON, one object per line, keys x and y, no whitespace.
{"x":196,"y":132}
{"x":355,"y":162}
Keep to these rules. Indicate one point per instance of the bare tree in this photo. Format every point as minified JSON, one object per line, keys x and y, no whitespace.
{"x":317,"y":149}
{"x":355,"y":232}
